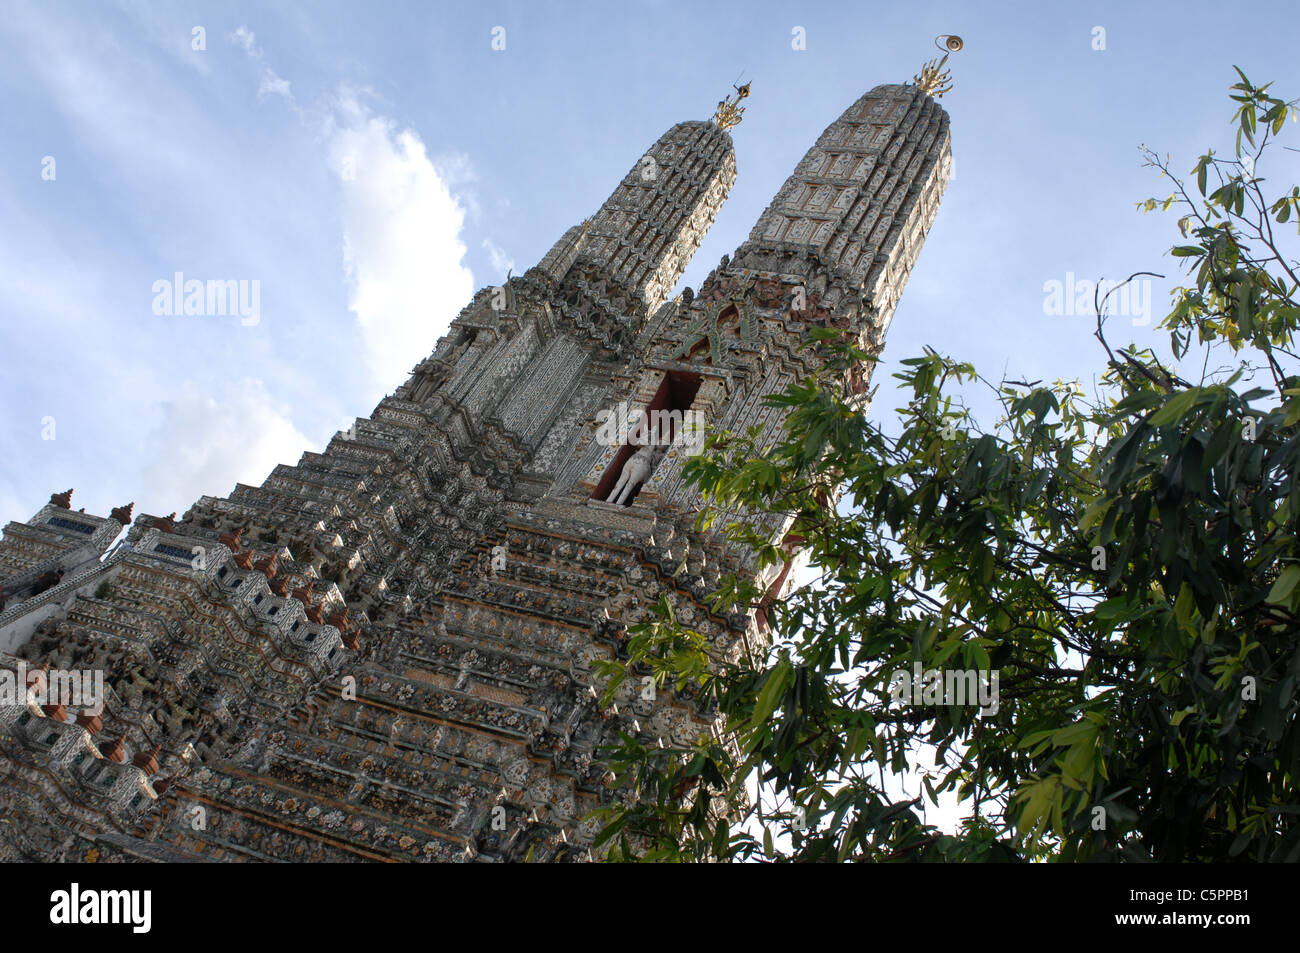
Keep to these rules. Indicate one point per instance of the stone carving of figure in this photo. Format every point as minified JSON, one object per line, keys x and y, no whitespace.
{"x":636,"y":471}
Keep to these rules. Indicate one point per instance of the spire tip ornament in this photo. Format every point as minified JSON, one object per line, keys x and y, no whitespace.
{"x":934,"y":80}
{"x":730,"y":112}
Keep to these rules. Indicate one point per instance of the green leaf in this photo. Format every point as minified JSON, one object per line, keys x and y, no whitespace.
{"x":1280,"y":594}
{"x":1093,"y":513}
{"x":1175,"y":408}
{"x":1074,"y":734}
{"x":772,"y":691}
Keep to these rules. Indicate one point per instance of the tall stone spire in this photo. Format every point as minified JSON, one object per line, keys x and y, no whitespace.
{"x":858,"y":206}
{"x":645,"y":234}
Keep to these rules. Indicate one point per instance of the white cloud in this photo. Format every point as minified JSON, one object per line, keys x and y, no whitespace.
{"x":244,"y":37}
{"x":501,"y":262}
{"x":402,"y":238}
{"x":402,"y":218}
{"x":273,"y":84}
{"x":207,"y":444}
{"x":459,"y":175}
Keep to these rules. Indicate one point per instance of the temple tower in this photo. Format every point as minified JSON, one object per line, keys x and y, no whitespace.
{"x":386,"y":650}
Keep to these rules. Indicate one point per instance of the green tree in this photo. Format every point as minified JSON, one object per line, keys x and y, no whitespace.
{"x":1125,"y":561}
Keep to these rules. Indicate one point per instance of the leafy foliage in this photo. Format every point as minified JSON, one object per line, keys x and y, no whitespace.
{"x":1125,"y":561}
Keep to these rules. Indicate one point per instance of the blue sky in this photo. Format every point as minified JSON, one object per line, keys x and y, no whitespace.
{"x":371,"y":165}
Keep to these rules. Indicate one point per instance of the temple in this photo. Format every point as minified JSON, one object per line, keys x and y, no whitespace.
{"x":384,"y":652}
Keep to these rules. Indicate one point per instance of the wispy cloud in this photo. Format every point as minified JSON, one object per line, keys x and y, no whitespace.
{"x":402,"y":221}
{"x":501,"y":262}
{"x":206,"y":443}
{"x":273,"y":84}
{"x":403,"y":249}
{"x":245,"y":38}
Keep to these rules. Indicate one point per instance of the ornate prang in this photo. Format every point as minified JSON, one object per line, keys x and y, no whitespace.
{"x":730,"y":112}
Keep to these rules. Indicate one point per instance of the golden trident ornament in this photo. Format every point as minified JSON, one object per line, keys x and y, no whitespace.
{"x":933,"y":78}
{"x":729,"y":110}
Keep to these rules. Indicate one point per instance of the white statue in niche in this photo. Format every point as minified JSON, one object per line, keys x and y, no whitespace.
{"x":636,"y":471}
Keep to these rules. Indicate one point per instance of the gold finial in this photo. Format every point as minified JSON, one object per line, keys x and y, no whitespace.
{"x":933,"y":79}
{"x":729,"y":110}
